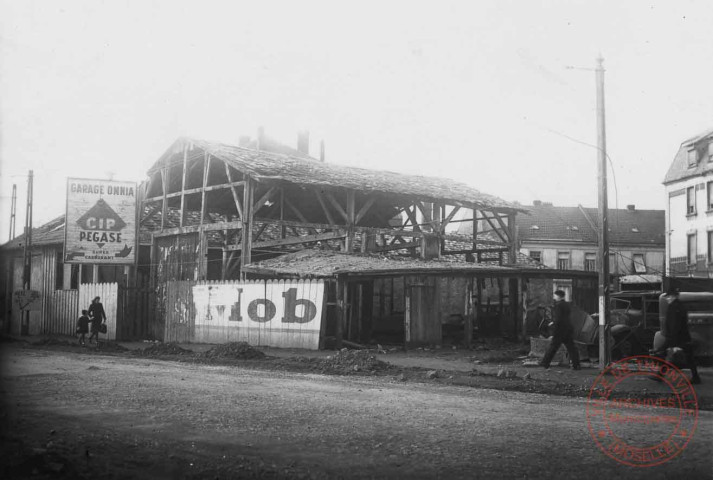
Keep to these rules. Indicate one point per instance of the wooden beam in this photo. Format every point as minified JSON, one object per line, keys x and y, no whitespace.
{"x":164,"y":205}
{"x":233,"y":191}
{"x":247,"y":240}
{"x":327,"y":213}
{"x":495,"y":229}
{"x":351,"y":207}
{"x":412,"y":216}
{"x":259,"y":232}
{"x":399,"y":246}
{"x":152,"y":210}
{"x":364,"y":209}
{"x":449,"y":218}
{"x":291,"y":241}
{"x":336,"y":206}
{"x":206,"y":172}
{"x":195,"y":228}
{"x":264,"y":199}
{"x":192,"y":191}
{"x":183,"y":186}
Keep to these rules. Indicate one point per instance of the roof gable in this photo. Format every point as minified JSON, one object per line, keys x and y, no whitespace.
{"x":679,"y":169}
{"x":263,"y":165}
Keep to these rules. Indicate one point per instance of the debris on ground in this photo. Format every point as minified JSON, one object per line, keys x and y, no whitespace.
{"x":350,"y":362}
{"x":56,"y":341}
{"x":234,"y":350}
{"x":159,"y":349}
{"x":506,"y":373}
{"x":431,"y":374}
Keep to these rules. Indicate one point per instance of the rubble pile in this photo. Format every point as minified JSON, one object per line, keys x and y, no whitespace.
{"x":351,"y":361}
{"x":236,"y":350}
{"x":54,"y":341}
{"x":159,"y":349}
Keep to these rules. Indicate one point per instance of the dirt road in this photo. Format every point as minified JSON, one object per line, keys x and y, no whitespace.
{"x":67,"y":415}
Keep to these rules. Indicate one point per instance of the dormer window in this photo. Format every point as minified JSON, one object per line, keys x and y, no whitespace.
{"x":692,"y":158}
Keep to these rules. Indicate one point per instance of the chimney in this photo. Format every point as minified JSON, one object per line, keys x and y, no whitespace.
{"x":244,"y":140}
{"x":260,"y":138}
{"x":546,"y":204}
{"x":537,"y":203}
{"x":303,"y":141}
{"x":321,"y":152}
{"x":631,"y":208}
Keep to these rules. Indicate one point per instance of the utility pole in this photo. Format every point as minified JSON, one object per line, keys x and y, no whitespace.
{"x":13,"y":208}
{"x":604,"y":347}
{"x":27,"y":255}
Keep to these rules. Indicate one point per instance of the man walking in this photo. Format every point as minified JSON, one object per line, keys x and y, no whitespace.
{"x":563,"y":332}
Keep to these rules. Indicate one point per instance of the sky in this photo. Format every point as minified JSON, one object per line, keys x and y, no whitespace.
{"x":498,"y":94}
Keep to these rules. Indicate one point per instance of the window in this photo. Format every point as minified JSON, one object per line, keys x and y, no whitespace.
{"x":710,"y":246}
{"x":639,"y":261}
{"x":536,"y":255}
{"x":709,"y":196}
{"x":692,"y":249}
{"x":563,"y":261}
{"x":590,"y":262}
{"x":710,"y":151}
{"x":692,"y":158}
{"x":565,"y":287}
{"x":691,"y":200}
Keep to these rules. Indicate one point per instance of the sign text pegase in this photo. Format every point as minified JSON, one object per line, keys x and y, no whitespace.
{"x":100,"y":223}
{"x":271,"y":313}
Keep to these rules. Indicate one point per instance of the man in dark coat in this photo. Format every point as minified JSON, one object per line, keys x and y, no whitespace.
{"x":675,"y":330}
{"x":563,"y":332}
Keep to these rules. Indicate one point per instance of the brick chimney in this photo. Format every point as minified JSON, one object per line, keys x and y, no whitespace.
{"x":303,"y":141}
{"x":537,"y":203}
{"x":631,"y":208}
{"x":321,"y":152}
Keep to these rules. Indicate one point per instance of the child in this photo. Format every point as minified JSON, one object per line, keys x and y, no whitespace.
{"x":83,"y":326}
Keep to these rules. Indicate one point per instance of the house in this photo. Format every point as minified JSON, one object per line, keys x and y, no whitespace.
{"x":566,"y":238}
{"x":689,"y":209}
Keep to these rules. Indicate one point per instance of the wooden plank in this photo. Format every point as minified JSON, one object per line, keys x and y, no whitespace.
{"x":449,"y":218}
{"x":291,"y":241}
{"x":327,"y":213}
{"x":164,"y":205}
{"x":192,"y":191}
{"x":398,"y":246}
{"x":264,"y":199}
{"x":236,"y":199}
{"x":206,"y":172}
{"x":336,"y":206}
{"x":183,"y":186}
{"x":364,"y":209}
{"x":412,"y":217}
{"x":247,"y":240}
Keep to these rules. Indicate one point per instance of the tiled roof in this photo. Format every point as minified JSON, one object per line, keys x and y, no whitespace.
{"x":679,"y":169}
{"x":50,"y":233}
{"x":578,"y":225}
{"x":321,"y":263}
{"x":264,"y":165}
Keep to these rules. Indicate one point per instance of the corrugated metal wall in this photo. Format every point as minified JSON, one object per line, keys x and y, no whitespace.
{"x":61,"y":312}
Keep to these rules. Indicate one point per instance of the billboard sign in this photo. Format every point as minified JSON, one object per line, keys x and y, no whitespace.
{"x":100,"y":225}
